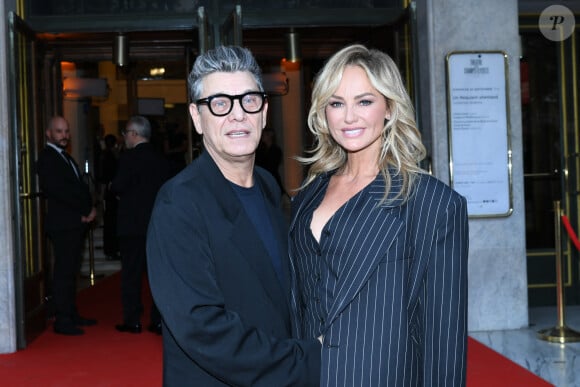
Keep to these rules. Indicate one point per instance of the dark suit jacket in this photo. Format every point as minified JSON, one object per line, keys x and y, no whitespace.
{"x":226,"y":315}
{"x":397,"y":300}
{"x":141,"y":172}
{"x":67,"y":197}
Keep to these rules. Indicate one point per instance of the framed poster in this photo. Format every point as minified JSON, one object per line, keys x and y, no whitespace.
{"x":479,"y":131}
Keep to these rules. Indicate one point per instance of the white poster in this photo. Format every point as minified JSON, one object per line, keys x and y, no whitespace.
{"x":480,"y":164}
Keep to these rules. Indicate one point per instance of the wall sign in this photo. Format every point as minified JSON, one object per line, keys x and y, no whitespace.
{"x":479,"y":131}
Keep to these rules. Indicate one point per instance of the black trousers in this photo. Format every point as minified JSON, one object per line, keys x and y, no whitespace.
{"x":110,"y":240}
{"x":133,"y":269}
{"x":67,"y":246}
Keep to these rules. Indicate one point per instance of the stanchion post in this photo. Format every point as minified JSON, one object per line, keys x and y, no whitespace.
{"x":91,"y":276}
{"x":91,"y":183}
{"x":560,"y":333}
{"x":91,"y":257}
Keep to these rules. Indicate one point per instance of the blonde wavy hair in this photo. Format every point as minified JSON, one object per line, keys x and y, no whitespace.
{"x":401,"y":149}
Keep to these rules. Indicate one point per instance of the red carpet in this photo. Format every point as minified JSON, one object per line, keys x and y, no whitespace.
{"x":486,"y":368}
{"x":103,"y":357}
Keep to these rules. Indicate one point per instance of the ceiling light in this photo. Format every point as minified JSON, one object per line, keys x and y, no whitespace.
{"x":121,"y":50}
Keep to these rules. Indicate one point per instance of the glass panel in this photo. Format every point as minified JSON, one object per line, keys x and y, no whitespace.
{"x":29,"y":267}
{"x":541,"y":137}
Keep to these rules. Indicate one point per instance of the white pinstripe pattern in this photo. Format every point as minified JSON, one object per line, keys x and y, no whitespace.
{"x":386,"y":286}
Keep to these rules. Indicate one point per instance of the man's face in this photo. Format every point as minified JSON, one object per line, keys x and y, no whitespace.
{"x":130,"y":136}
{"x":234,"y":137}
{"x":59,"y":133}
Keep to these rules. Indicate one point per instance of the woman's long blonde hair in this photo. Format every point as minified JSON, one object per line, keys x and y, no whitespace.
{"x":401,"y":148}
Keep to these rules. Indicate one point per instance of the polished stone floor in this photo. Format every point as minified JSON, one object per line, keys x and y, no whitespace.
{"x":556,"y":363}
{"x":95,"y":265}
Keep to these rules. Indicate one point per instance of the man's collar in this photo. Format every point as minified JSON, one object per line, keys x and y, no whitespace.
{"x":55,"y":147}
{"x":139,"y":143}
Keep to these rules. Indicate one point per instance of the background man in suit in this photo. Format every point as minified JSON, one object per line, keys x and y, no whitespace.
{"x":216,"y":245}
{"x":108,"y":165}
{"x":269,"y":155}
{"x":69,"y":211}
{"x":142,"y":171}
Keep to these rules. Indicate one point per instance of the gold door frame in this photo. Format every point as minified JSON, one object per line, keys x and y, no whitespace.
{"x":569,"y":99}
{"x":28,"y":238}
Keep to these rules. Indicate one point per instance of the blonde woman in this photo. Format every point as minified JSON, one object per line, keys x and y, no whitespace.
{"x":378,"y":246}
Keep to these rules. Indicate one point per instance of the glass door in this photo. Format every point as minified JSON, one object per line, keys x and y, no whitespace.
{"x":26,"y":135}
{"x":551,"y":159}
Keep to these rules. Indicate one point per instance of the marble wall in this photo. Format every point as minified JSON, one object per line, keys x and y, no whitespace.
{"x":497,"y":266}
{"x":7,"y":293}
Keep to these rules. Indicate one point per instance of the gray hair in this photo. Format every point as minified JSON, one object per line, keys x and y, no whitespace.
{"x":227,"y":59}
{"x":141,"y":126}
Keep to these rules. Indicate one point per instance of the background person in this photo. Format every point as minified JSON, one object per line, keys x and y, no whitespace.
{"x":216,"y":245}
{"x":379,"y":248}
{"x":175,"y":146}
{"x":69,"y":212}
{"x":109,"y":163}
{"x":269,"y":155}
{"x":142,"y":171}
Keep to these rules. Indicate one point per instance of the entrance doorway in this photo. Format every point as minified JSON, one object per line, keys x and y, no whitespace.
{"x":69,"y":54}
{"x":30,"y":263}
{"x":549,"y":85}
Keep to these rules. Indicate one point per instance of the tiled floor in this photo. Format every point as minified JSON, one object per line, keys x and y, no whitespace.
{"x":556,"y":363}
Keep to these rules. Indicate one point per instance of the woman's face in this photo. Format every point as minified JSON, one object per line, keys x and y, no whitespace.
{"x":356,"y":113}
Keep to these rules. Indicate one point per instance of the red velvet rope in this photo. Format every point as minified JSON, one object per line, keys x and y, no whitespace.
{"x":570,"y":231}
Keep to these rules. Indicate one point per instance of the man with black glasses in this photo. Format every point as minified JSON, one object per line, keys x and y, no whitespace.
{"x":142,"y":171}
{"x":217,"y":245}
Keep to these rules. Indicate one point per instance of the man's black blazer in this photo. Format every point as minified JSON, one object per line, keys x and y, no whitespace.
{"x":226,"y":315}
{"x":68,"y":197}
{"x":142,"y":171}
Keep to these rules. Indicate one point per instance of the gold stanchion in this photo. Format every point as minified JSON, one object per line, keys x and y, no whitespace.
{"x":88,"y":179}
{"x":560,"y":333}
{"x":91,"y":256}
{"x":91,"y":276}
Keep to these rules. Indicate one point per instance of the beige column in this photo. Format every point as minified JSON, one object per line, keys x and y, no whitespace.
{"x":293,"y":124}
{"x":497,"y":252}
{"x":75,"y":111}
{"x":109,"y":108}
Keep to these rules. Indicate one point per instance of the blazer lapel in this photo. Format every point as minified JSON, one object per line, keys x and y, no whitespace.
{"x":241,"y":233}
{"x":65,"y":162}
{"x":304,"y":197}
{"x":383,"y":222}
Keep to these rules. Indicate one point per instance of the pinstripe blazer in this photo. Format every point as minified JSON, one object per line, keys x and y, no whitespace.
{"x":386,"y":285}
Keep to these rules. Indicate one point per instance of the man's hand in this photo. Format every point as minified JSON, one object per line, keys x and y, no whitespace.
{"x":90,"y":217}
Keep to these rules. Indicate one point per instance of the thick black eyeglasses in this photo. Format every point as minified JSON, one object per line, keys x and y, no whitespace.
{"x":222,"y":104}
{"x":127,"y":131}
